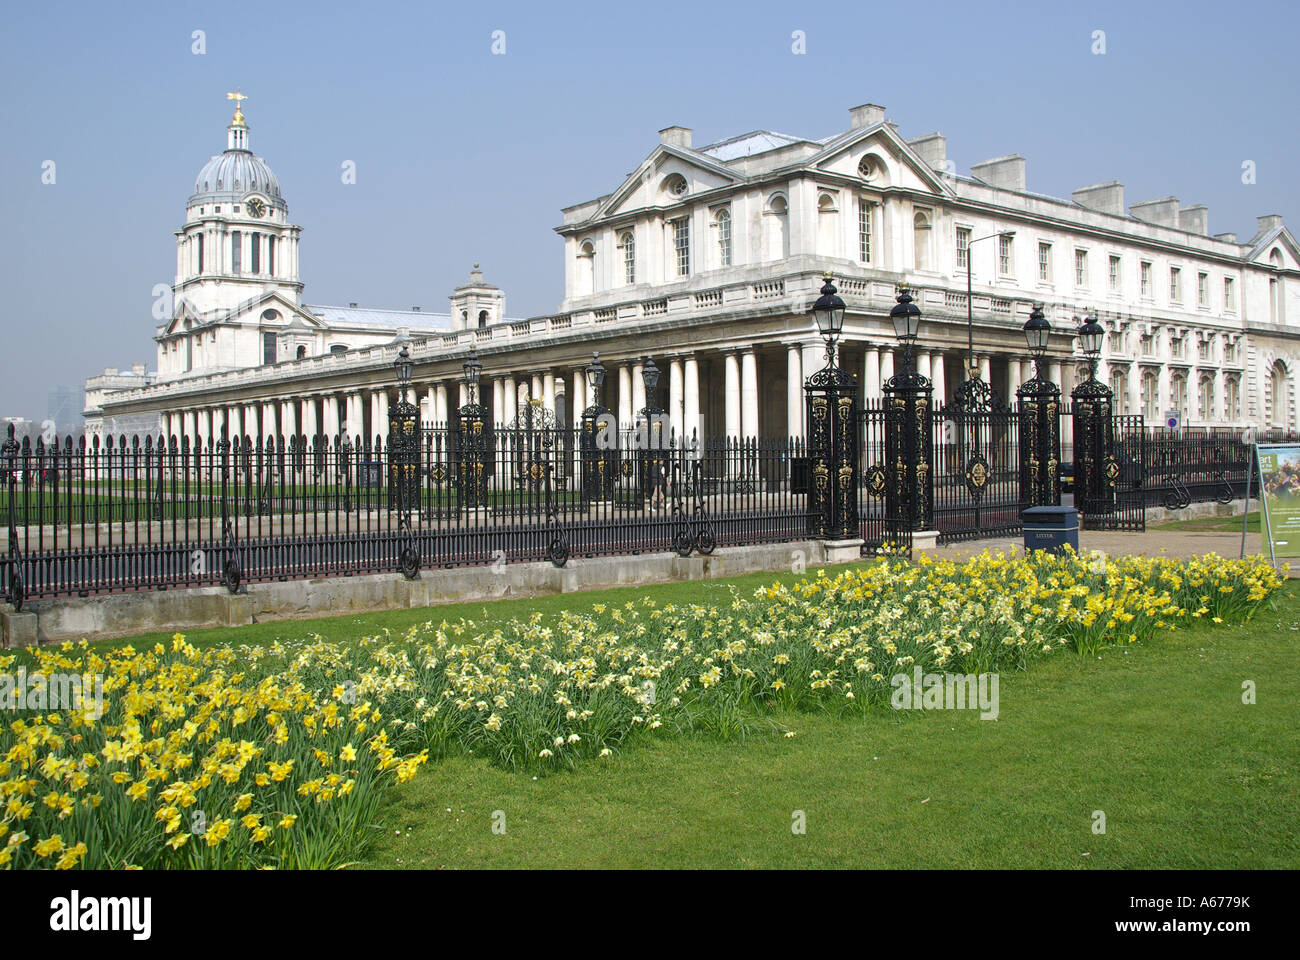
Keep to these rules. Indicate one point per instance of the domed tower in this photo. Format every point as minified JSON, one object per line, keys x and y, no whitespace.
{"x":237,"y":242}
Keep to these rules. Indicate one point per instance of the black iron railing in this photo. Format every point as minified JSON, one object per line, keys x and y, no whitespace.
{"x":88,"y":517}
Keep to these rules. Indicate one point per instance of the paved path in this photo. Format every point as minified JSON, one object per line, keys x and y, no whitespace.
{"x":1173,"y":543}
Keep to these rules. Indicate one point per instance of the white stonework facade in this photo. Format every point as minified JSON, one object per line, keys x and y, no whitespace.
{"x":708,"y":260}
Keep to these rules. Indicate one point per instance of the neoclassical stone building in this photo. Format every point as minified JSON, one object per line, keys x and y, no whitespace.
{"x":707,"y":259}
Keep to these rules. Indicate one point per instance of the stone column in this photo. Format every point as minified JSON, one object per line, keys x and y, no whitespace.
{"x":1135,"y":388}
{"x":499,"y":402}
{"x":731,"y":393}
{"x":794,"y":402}
{"x":871,"y":374}
{"x":270,"y":421}
{"x":579,"y":393}
{"x":939,"y":378}
{"x":1220,"y":411}
{"x":548,"y":392}
{"x":886,"y":368}
{"x":536,"y":391}
{"x":749,"y":394}
{"x":310,"y":425}
{"x":289,"y":419}
{"x":638,"y":390}
{"x":624,"y":407}
{"x":1013,"y":380}
{"x":691,"y":400}
{"x":218,"y":423}
{"x":330,"y":417}
{"x":923,"y":363}
{"x":675,"y":398}
{"x":202,"y":428}
{"x":986,"y":369}
{"x":187,"y":427}
{"x":441,"y":413}
{"x":234,"y":423}
{"x":1166,"y":395}
{"x":510,"y":399}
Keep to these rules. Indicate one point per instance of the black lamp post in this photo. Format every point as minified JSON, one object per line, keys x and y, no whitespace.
{"x":828,"y":312}
{"x":909,"y":481}
{"x":474,"y":439}
{"x":404,"y":463}
{"x":598,"y":439}
{"x":1040,"y":422}
{"x":832,"y":401}
{"x":1096,"y":470}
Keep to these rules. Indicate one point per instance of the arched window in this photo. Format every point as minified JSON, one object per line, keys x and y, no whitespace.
{"x":1119,"y":390}
{"x":1205,"y":398}
{"x":828,"y":222}
{"x":1150,"y":395}
{"x":337,"y":349}
{"x":723,"y":224}
{"x":1278,"y":394}
{"x":585,"y":278}
{"x":776,"y":239}
{"x":921,"y":240}
{"x":302,"y":352}
{"x":627,"y":244}
{"x":482,"y":319}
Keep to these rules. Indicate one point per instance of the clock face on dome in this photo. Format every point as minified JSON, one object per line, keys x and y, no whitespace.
{"x":255,"y":207}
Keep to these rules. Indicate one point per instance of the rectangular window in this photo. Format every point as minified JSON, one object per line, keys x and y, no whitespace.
{"x":1045,"y":262}
{"x":1117,"y":344}
{"x":627,"y":243}
{"x":1114,"y":274}
{"x":268,"y":348}
{"x":1146,"y":279}
{"x":270,"y":255}
{"x":682,"y":246}
{"x":1202,"y":289}
{"x":1004,"y":255}
{"x":864,"y":231}
{"x":1229,"y":291}
{"x":1176,"y":347}
{"x":963,"y":249}
{"x":255,"y":249}
{"x":236,"y":252}
{"x":1081,"y":268}
{"x":201,"y":254}
{"x":1204,"y":350}
{"x":1175,"y":284}
{"x":724,"y":238}
{"x":1148,"y":345}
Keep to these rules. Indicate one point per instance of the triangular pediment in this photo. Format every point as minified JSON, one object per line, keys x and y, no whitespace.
{"x":892,"y":163}
{"x":650,"y":185}
{"x":1277,"y":249}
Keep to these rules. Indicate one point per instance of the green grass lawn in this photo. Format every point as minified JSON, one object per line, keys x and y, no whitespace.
{"x":1230,"y":524}
{"x":1154,"y":735}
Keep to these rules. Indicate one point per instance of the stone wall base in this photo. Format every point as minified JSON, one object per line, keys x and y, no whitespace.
{"x":161,"y":611}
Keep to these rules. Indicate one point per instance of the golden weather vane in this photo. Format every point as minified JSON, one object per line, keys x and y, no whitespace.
{"x":239,"y":99}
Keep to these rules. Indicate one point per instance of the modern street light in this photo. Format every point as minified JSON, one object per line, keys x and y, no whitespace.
{"x":971,"y":365}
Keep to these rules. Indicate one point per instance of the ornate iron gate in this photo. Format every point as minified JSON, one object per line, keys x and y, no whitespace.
{"x":977,"y":483}
{"x":1110,"y":470}
{"x":880,"y":529}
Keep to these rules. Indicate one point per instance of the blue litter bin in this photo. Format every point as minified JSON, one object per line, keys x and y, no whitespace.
{"x":1051,"y":528}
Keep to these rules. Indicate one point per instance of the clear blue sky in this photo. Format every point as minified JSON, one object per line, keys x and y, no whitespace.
{"x":464,"y":156}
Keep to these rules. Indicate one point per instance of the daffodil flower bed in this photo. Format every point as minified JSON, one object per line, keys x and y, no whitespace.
{"x":278,"y":756}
